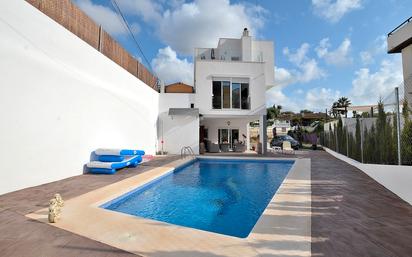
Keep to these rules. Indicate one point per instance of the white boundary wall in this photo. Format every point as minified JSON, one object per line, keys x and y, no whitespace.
{"x":60,"y":99}
{"x":178,"y":130}
{"x":395,"y":178}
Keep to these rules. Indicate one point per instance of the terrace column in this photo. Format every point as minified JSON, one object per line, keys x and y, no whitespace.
{"x":263,"y":134}
{"x":248,"y":136}
{"x":407,"y":72}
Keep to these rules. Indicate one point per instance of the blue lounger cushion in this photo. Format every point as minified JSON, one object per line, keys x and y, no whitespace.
{"x":99,"y":167}
{"x":118,"y":152}
{"x":110,"y":158}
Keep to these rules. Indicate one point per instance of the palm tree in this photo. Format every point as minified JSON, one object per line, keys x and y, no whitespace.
{"x":334,"y":110}
{"x":274,"y":111}
{"x":279,"y":107}
{"x":344,"y":102}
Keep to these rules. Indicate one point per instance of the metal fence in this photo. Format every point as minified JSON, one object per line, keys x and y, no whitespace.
{"x":383,"y":136}
{"x":75,"y":20}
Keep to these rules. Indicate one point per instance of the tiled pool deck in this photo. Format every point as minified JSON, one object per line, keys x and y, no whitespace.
{"x":352,"y":215}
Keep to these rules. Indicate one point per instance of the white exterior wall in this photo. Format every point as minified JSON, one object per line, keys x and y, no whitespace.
{"x":407,"y":72}
{"x":206,"y":70}
{"x":262,"y":51}
{"x":60,"y":99}
{"x":178,"y":130}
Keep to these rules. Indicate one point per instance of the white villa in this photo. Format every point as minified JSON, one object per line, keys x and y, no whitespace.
{"x":229,"y":92}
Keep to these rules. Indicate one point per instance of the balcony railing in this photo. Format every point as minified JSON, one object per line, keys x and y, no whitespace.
{"x":401,"y":25}
{"x":214,"y":54}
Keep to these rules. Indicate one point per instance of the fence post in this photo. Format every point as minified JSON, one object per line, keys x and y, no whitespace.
{"x":361,"y":138}
{"x":347,"y":142}
{"x":336,"y":138}
{"x":398,"y":125}
{"x":99,"y":46}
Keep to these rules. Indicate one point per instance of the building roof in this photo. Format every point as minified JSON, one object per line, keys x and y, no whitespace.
{"x":178,"y":87}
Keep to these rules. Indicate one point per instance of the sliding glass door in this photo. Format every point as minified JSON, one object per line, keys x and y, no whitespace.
{"x":228,"y":136}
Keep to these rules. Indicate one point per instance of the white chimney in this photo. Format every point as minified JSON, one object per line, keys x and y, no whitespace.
{"x":245,"y":32}
{"x":246,"y":46}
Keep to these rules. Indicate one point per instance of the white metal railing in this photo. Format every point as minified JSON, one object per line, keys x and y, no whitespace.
{"x":186,"y":151}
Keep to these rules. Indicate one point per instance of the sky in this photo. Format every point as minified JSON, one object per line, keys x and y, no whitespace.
{"x":324,"y":49}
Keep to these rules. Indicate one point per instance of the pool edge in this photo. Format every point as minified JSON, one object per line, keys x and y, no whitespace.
{"x":154,"y":233}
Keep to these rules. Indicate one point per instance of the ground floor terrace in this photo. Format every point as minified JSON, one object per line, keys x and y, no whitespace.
{"x":232,"y":133}
{"x":351,"y":215}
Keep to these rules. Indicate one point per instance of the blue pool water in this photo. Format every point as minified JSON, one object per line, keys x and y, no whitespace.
{"x":222,"y":196}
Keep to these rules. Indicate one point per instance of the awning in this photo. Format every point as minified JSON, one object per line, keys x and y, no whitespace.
{"x":184,"y":111}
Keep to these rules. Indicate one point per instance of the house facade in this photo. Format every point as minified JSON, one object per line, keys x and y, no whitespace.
{"x":230,"y":82}
{"x":230,"y":85}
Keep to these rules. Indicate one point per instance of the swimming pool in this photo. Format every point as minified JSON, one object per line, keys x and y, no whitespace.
{"x":225,"y":196}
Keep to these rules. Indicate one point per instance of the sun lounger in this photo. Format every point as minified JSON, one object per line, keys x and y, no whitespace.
{"x":118,"y":152}
{"x":107,"y":161}
{"x":99,"y":167}
{"x":287,"y":147}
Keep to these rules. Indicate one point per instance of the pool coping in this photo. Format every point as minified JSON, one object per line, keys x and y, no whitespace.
{"x":284,"y":227}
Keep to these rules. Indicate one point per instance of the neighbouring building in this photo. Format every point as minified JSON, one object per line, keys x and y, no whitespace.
{"x":178,"y":87}
{"x":282,"y":127}
{"x":400,"y":41}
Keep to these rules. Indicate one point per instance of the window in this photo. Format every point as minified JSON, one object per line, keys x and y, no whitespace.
{"x":217,"y":95}
{"x":226,"y":94}
{"x":236,"y":95}
{"x":245,"y":96}
{"x":229,"y":95}
{"x":228,"y":136}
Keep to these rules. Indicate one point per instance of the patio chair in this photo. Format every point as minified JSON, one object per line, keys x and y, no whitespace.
{"x":276,"y":149}
{"x":224,"y":147}
{"x":212,"y":147}
{"x":240,"y":148}
{"x":287,"y":147}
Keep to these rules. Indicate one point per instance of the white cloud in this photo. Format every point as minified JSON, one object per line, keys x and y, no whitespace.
{"x":106,"y":17}
{"x":149,"y":10}
{"x":184,"y":26}
{"x":366,"y":57}
{"x":332,"y":10}
{"x":320,"y":98}
{"x":310,"y":71}
{"x":307,"y":68}
{"x":339,"y":56}
{"x":170,"y":68}
{"x":276,"y":96}
{"x":203,"y":22}
{"x":377,"y":48}
{"x":314,"y":99}
{"x":368,"y":87}
{"x":299,"y":56}
{"x":283,"y":77}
